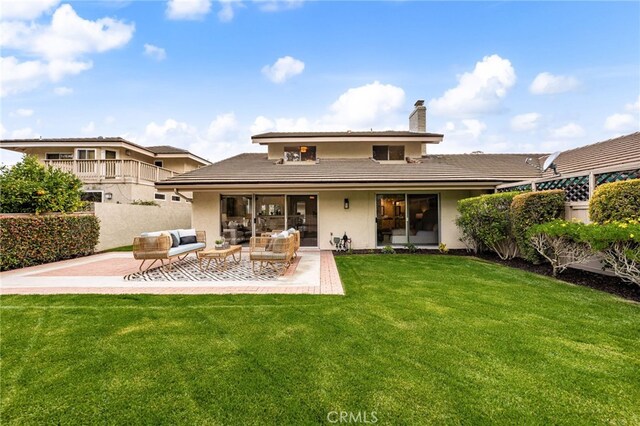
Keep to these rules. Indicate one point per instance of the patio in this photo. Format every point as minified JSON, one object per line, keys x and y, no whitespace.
{"x":313,"y":272}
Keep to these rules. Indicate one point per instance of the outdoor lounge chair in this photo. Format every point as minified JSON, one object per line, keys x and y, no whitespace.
{"x":154,"y":247}
{"x":276,"y":252}
{"x":294,"y":232}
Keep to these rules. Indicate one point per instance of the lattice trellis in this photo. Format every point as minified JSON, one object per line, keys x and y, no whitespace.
{"x":616,"y":176}
{"x":575,"y":188}
{"x":521,"y":188}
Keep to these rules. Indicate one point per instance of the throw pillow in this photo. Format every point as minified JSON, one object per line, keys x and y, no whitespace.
{"x":279,"y":245}
{"x":187,"y":236}
{"x":175,"y":238}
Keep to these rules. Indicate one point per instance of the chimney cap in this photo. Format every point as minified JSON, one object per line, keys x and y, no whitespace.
{"x":419,"y":102}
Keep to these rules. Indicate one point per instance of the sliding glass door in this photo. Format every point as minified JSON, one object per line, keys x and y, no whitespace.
{"x":269,"y":213}
{"x":302,"y":214}
{"x":236,"y":218}
{"x":407,"y":218}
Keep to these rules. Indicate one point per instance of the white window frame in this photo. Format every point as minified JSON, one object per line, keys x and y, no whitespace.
{"x":159,"y":161}
{"x":95,"y":153}
{"x":164,"y":196}
{"x":175,"y":196}
{"x":58,"y":154}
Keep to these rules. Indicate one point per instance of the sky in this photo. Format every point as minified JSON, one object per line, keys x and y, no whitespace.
{"x":205,"y":75}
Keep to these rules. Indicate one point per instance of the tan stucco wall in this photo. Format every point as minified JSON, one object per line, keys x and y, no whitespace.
{"x":359,"y":221}
{"x":205,"y":214}
{"x":120,"y":223}
{"x":346,"y":149}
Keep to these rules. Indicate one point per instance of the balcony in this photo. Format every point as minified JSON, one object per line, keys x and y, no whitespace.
{"x":120,"y":171}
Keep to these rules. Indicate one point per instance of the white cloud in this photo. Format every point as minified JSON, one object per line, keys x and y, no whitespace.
{"x":365,"y":106}
{"x":546,"y":83}
{"x":221,"y":127}
{"x":23,"y":112}
{"x":525,"y":122}
{"x":570,"y":130}
{"x":25,"y":9}
{"x":89,"y":128}
{"x":155,"y":52}
{"x":622,"y":123}
{"x":110,"y":119}
{"x":373,"y":105}
{"x":24,"y":133}
{"x":227,"y":12}
{"x":188,"y":9}
{"x":63,"y":91}
{"x":278,"y":5}
{"x":479,"y":91}
{"x":635,"y":106}
{"x":57,"y":49}
{"x":283,"y":69}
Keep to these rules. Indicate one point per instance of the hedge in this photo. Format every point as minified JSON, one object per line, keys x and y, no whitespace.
{"x":34,"y":240}
{"x":532,"y":208}
{"x":485,"y":222}
{"x":616,"y":201}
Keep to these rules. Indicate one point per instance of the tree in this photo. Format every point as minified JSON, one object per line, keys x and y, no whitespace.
{"x":30,"y":187}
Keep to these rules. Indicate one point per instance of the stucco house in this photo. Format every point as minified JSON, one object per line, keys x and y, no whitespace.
{"x":380,"y":187}
{"x":112,"y":169}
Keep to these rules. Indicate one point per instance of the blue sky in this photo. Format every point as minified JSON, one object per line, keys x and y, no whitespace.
{"x":205,"y":75}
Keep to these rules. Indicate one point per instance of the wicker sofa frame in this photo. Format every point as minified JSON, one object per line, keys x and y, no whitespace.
{"x":159,"y":248}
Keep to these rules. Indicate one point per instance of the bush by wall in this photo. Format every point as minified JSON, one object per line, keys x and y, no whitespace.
{"x":33,"y":240}
{"x":619,"y":244}
{"x":485,"y":223}
{"x":30,"y":187}
{"x":532,"y":208}
{"x":616,"y":201}
{"x":561,"y":243}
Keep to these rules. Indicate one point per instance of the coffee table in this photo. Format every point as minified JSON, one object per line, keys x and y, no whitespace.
{"x":220,"y":256}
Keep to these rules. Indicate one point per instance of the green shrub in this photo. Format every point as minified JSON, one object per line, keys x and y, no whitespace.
{"x":619,"y":244}
{"x":33,"y":240}
{"x":388,"y":250}
{"x":533,"y":208}
{"x":616,"y":201}
{"x":145,"y":203}
{"x":411,"y":248}
{"x":442,"y":248}
{"x":30,"y":187}
{"x":561,"y":243}
{"x":485,"y":223}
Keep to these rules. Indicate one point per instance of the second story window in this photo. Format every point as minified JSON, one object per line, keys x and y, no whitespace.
{"x":388,"y":152}
{"x":300,"y":153}
{"x":58,"y":156}
{"x":158,"y":163}
{"x":86,"y":154}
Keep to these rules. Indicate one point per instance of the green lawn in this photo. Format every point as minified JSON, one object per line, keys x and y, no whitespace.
{"x":417,"y":339}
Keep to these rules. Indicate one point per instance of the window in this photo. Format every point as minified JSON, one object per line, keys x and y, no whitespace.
{"x":388,"y":152}
{"x":158,"y":163}
{"x":175,"y":198}
{"x":300,"y":153}
{"x":58,"y":156}
{"x":86,"y":154}
{"x":91,"y":196}
{"x":159,"y":196}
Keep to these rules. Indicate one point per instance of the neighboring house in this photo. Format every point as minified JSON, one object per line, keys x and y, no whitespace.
{"x":113,"y":170}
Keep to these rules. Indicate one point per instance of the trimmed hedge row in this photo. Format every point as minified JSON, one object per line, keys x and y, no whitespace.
{"x":34,"y":240}
{"x":616,"y":201}
{"x":532,"y":208}
{"x":485,"y":222}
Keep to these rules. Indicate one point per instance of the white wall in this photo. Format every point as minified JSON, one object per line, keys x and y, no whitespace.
{"x":205,"y":215}
{"x":120,"y":223}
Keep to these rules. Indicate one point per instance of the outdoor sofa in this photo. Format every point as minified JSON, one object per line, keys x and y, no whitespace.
{"x":167,"y":245}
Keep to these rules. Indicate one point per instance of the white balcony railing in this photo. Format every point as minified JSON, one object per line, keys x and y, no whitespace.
{"x":91,"y":171}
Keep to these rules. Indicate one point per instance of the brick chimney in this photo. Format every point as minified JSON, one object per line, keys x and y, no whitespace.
{"x":418,"y":118}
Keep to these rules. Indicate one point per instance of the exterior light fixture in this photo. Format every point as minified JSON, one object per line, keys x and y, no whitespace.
{"x":346,"y":204}
{"x":108,"y":195}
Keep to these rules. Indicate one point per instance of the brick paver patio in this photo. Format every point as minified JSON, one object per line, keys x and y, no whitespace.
{"x":315,"y":273}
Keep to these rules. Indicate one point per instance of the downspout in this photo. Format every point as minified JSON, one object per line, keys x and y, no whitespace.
{"x":175,"y":191}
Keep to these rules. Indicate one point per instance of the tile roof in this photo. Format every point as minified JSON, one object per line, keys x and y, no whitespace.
{"x":258,"y":169}
{"x":166,"y":149}
{"x":624,"y":149}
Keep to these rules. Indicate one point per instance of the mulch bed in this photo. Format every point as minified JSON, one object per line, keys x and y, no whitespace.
{"x":606,"y":283}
